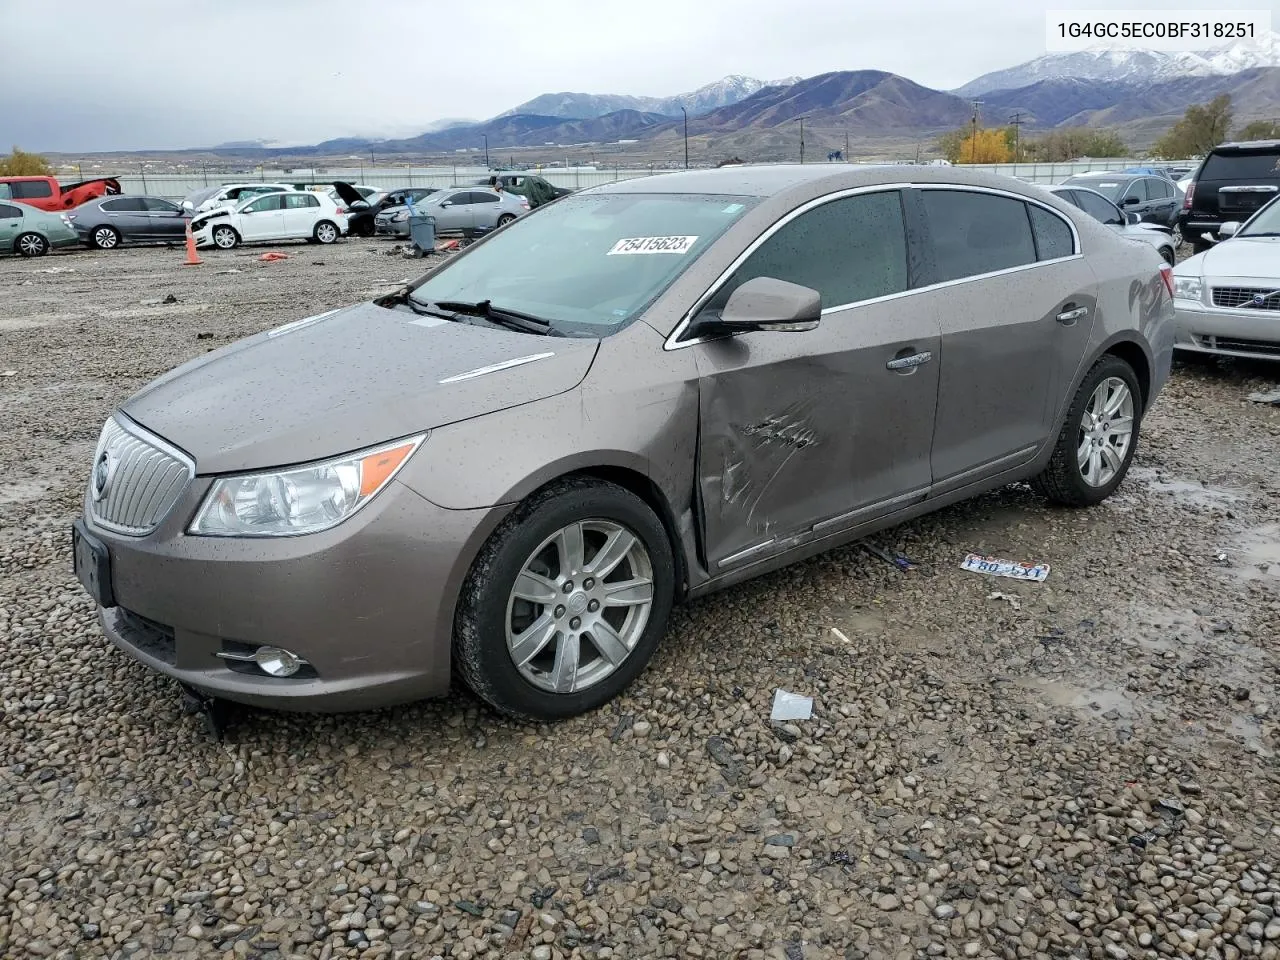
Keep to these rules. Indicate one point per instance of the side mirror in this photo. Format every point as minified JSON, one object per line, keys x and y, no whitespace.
{"x":1229,"y":229}
{"x":1132,"y":218}
{"x":766,"y":303}
{"x":1131,"y":201}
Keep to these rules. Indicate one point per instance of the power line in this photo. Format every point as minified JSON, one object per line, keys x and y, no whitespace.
{"x":1016,"y":122}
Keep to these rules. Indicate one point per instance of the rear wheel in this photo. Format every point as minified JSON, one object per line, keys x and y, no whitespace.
{"x":1098,"y":439}
{"x":566,"y":602}
{"x":505,"y":219}
{"x":1169,"y":256}
{"x":326,"y":232}
{"x":106,"y":238}
{"x":31,"y":245}
{"x":225,"y":238}
{"x":1176,"y":233}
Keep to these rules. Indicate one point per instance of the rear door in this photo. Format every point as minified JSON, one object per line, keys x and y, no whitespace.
{"x":301,"y":211}
{"x":1164,"y":201}
{"x":10,"y":226}
{"x":1016,"y":304}
{"x":486,"y":207}
{"x":805,"y":434}
{"x":263,"y":219}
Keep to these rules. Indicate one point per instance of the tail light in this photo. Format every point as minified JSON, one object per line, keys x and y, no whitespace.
{"x":1166,"y":274}
{"x":341,"y":211}
{"x":1191,"y":192}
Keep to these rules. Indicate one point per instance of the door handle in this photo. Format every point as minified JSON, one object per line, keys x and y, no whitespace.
{"x":906,"y":363}
{"x":1069,"y":316}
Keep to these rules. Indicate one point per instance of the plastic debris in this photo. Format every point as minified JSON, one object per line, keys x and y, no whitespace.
{"x":444,"y":245}
{"x":9,"y":373}
{"x":273,"y":256}
{"x":223,"y":273}
{"x":1016,"y":569}
{"x":1011,"y":600}
{"x":899,"y":560}
{"x":791,"y":706}
{"x":57,"y":270}
{"x":837,"y":631}
{"x":1272,"y":398}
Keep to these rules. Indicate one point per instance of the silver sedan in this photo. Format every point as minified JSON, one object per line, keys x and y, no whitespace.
{"x":458,"y":210}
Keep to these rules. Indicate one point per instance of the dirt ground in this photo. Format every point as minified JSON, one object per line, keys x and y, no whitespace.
{"x":1080,"y":768}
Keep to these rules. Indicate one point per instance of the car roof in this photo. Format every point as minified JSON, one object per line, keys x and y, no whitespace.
{"x":1246,"y":146}
{"x":9,"y":179}
{"x":769,"y":180}
{"x":1112,"y":174}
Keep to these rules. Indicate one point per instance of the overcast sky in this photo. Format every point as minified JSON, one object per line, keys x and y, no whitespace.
{"x":83,"y":75}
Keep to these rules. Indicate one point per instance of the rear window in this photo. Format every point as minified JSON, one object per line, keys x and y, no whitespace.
{"x":1241,"y":166}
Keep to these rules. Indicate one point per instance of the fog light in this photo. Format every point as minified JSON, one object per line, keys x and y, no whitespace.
{"x":277,"y":661}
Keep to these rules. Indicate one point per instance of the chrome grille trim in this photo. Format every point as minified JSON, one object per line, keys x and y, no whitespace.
{"x":148,"y":477}
{"x":1240,"y":296}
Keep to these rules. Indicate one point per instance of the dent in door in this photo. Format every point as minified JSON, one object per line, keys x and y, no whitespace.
{"x":747,"y":462}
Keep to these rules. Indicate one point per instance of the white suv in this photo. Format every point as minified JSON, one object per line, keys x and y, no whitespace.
{"x":284,"y":215}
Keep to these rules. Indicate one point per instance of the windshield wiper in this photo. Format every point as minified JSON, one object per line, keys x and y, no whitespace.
{"x":512,"y":319}
{"x":1261,"y":233}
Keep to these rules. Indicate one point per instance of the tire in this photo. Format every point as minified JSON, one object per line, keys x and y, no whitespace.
{"x":505,"y":219}
{"x":1169,"y":254}
{"x":225,"y":237}
{"x":528,"y":545}
{"x":326,"y":232}
{"x":106,"y":238}
{"x":31,"y":245}
{"x":1065,"y":480}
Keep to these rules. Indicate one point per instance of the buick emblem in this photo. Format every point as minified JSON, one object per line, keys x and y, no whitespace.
{"x":102,"y":471}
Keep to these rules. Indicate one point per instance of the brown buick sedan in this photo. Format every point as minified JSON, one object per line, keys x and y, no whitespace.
{"x":644,"y":392}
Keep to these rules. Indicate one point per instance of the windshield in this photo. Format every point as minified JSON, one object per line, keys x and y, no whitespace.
{"x":1266,"y":222}
{"x":1111,"y":189}
{"x":588,"y":264}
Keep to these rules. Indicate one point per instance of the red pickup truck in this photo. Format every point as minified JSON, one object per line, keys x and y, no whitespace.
{"x":46,"y":194}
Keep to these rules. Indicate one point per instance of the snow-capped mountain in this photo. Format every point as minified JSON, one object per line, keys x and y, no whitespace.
{"x":588,"y":106}
{"x":1131,"y":66}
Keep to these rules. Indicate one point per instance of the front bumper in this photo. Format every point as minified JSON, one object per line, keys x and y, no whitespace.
{"x":386,"y":228}
{"x":1226,"y":332}
{"x":369,"y":604}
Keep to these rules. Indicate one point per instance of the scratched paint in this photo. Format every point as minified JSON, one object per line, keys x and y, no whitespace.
{"x":756,"y":455}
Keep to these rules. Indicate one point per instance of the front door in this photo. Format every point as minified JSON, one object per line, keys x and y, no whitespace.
{"x":166,"y":220}
{"x":1016,"y":307}
{"x":263,"y":219}
{"x":804,"y":434}
{"x":129,"y":216}
{"x":454,"y":213}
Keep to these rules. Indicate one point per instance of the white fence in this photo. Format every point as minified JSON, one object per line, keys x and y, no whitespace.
{"x":178,"y":185}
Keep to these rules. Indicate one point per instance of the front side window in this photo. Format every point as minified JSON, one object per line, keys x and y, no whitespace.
{"x":977,"y":233}
{"x":848,"y":250}
{"x":591,"y":263}
{"x":1102,"y":210}
{"x":156,"y":205}
{"x":272,"y":201}
{"x":32,"y":190}
{"x":1053,"y":236}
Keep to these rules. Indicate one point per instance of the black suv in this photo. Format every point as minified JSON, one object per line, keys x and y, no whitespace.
{"x":1234,"y":180}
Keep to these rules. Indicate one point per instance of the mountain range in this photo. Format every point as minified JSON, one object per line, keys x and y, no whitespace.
{"x":1140,"y":94}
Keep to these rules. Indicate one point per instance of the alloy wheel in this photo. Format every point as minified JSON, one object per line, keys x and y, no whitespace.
{"x":1106,"y":432}
{"x":224,"y":237}
{"x":105,"y":238}
{"x":32,"y":245}
{"x":579,"y":606}
{"x":326,"y":233}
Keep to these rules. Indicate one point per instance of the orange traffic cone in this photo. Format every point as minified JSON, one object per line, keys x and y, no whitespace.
{"x":193,"y":259}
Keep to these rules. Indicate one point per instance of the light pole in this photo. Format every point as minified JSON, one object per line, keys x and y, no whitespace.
{"x":686,"y":137}
{"x":802,"y":120}
{"x":486,"y":150}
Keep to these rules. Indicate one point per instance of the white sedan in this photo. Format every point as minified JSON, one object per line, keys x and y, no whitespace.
{"x":290,"y":215}
{"x":1227,"y":299}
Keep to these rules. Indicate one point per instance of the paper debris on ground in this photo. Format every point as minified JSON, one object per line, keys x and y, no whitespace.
{"x":1272,"y":398}
{"x":273,"y":256}
{"x":1011,"y":600}
{"x":791,"y":706}
{"x":994,"y":567}
{"x":57,"y":270}
{"x":839,"y":633}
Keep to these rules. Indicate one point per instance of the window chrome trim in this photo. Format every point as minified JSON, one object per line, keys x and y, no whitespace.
{"x":673,"y":341}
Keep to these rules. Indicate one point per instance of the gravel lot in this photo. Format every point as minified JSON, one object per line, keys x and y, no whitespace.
{"x":1080,"y":768}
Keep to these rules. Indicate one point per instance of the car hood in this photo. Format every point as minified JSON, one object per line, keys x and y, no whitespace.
{"x":346,"y":380}
{"x":1243,"y":257}
{"x":349,"y":194}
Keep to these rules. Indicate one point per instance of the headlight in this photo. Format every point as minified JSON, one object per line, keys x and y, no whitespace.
{"x":400,"y":217}
{"x":300,"y":500}
{"x":1188,"y":288}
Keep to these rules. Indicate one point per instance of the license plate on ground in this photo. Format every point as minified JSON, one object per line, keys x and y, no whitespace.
{"x":92,"y":565}
{"x":1017,"y":570}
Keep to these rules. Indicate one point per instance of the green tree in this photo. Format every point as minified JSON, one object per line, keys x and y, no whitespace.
{"x":23,"y":164}
{"x":1072,"y":142}
{"x":1202,"y":128}
{"x":1260,"y":130}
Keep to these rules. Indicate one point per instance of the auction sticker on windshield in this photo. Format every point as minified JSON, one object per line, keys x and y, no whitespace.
{"x":653,"y":245}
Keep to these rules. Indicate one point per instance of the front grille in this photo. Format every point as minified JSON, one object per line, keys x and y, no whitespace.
{"x":1264,"y":348}
{"x":1238,"y":296}
{"x":143,"y":480}
{"x":150,"y":637}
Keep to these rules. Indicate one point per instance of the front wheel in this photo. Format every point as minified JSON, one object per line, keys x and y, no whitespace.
{"x":326,"y":232}
{"x":1098,"y":439}
{"x":32,"y":245}
{"x":566,"y":602}
{"x":225,"y":238}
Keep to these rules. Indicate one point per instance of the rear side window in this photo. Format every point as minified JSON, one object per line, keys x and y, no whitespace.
{"x":8,"y":212}
{"x":31,"y":189}
{"x":976,"y":233}
{"x":296,"y":201}
{"x":1241,"y":166}
{"x":848,"y":250}
{"x":1160,"y":189}
{"x":1053,"y":236}
{"x":483,"y":197}
{"x":125,"y":205}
